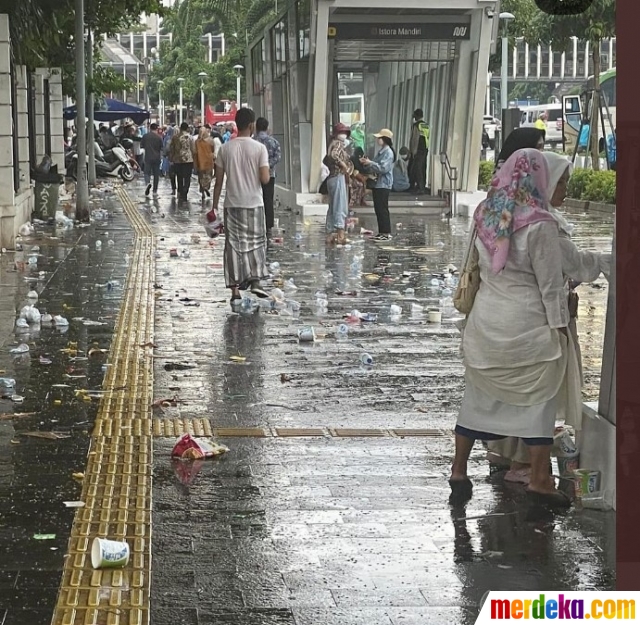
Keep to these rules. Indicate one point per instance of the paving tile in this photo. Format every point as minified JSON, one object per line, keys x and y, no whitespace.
{"x":382,"y":598}
{"x":342,"y":616}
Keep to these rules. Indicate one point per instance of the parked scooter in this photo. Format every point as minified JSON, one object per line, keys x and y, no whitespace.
{"x":116,"y":165}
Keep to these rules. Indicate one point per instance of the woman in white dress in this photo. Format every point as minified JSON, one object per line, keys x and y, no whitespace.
{"x":577,"y":266}
{"x":515,"y":342}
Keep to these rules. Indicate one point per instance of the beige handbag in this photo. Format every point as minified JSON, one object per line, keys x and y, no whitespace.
{"x":469,"y":283}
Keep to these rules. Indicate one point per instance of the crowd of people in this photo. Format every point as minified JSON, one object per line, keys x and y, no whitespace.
{"x":348,"y":174}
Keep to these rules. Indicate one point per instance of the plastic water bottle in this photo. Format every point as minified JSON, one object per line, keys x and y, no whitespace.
{"x":342,"y":333}
{"x":247,"y":304}
{"x":366,"y":360}
{"x":98,"y":244}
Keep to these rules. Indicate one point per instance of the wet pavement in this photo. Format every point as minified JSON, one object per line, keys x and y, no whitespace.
{"x":343,"y":527}
{"x":76,"y":280}
{"x":325,"y":529}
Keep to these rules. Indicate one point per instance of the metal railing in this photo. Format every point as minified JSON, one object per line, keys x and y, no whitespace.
{"x":452,"y":174}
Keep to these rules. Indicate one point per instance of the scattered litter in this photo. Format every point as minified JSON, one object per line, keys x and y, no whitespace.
{"x":96,"y":351}
{"x":46,"y":318}
{"x":78,"y":476}
{"x":21,"y":323}
{"x":306,"y":334}
{"x":44,"y":536}
{"x":149,"y":344}
{"x":238,"y":358}
{"x":17,"y":399}
{"x":395,"y":310}
{"x":285,"y":377}
{"x":23,"y":348}
{"x":166,"y":402}
{"x":74,"y":504}
{"x":189,"y":447}
{"x":109,"y":554}
{"x":178,"y":366}
{"x":342,"y":333}
{"x":45,"y":361}
{"x":60,"y":321}
{"x":51,"y":436}
{"x":32,"y":295}
{"x":366,"y":360}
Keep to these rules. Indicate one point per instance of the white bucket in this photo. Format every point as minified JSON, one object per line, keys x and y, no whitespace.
{"x":109,"y":554}
{"x":434,"y":316}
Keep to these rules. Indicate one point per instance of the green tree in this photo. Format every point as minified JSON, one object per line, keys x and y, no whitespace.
{"x":598,"y":22}
{"x":42,"y":33}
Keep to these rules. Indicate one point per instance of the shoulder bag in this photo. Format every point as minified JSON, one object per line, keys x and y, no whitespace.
{"x":469,"y":283}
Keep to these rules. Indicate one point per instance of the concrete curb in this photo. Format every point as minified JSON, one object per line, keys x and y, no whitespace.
{"x":590,"y":207}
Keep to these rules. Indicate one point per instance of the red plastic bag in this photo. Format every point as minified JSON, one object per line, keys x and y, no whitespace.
{"x":188,"y":447}
{"x":214,"y":227}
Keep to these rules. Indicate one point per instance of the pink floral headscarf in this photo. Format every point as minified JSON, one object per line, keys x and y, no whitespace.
{"x":517,"y":198}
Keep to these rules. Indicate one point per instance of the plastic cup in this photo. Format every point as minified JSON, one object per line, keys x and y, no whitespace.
{"x":109,"y":554}
{"x":306,"y":335}
{"x":366,"y":360}
{"x":434,"y":316}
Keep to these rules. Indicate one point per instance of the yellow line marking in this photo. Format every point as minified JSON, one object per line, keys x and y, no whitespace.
{"x":173,"y":428}
{"x":117,"y":483}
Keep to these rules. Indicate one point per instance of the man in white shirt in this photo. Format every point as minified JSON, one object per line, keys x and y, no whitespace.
{"x":245,"y":164}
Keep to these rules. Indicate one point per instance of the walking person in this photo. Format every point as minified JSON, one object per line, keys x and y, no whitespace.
{"x":382,"y":165}
{"x":275,"y":156}
{"x":340,"y":167}
{"x":419,"y":149}
{"x":181,"y":154}
{"x":151,"y":143}
{"x":245,"y":163}
{"x":515,"y":341}
{"x":204,"y":160}
{"x":168,"y":167}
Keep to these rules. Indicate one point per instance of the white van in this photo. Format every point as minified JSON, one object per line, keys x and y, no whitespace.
{"x":530,"y":115}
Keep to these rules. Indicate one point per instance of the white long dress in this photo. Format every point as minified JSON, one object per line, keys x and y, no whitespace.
{"x":515,"y":358}
{"x":581,"y":266}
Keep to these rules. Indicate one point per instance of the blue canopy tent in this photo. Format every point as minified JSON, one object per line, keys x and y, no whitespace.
{"x":109,"y":110}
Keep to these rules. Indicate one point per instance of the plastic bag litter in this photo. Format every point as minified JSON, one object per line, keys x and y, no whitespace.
{"x":26,"y":230}
{"x":32,"y":295}
{"x":63,"y":221}
{"x":60,"y":321}
{"x":31,"y":314}
{"x":23,"y":348}
{"x":21,"y":323}
{"x":46,"y":318}
{"x":189,"y":447}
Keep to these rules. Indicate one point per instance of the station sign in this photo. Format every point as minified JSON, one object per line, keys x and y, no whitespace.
{"x":432,"y":31}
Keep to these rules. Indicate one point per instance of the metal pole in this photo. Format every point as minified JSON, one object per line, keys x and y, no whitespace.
{"x":503,"y":75}
{"x":82,"y":189}
{"x":180,"y":104}
{"x":91,"y":113}
{"x":202,"y":120}
{"x":239,"y":99}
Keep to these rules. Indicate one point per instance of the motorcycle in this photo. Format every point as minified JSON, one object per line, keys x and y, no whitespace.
{"x":109,"y":164}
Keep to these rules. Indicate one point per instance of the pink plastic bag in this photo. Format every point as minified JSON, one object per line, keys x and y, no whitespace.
{"x":188,"y":447}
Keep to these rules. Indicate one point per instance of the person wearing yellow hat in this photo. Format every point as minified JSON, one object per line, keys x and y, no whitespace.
{"x":382,"y":166}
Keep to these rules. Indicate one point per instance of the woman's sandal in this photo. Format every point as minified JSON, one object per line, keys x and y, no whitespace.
{"x":550,"y":500}
{"x":461,"y":491}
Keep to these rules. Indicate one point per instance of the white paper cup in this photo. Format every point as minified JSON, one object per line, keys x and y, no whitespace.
{"x":109,"y":554}
{"x":434,"y":316}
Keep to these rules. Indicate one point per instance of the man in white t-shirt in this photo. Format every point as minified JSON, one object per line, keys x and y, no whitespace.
{"x":245,"y":165}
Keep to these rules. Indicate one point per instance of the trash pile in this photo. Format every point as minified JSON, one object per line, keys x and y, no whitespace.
{"x":585,"y":483}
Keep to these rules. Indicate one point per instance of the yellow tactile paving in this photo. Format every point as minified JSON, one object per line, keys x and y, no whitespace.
{"x":117,"y":481}
{"x":170,"y":428}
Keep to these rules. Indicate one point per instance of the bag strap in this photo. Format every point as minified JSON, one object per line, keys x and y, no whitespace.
{"x":472,"y":242}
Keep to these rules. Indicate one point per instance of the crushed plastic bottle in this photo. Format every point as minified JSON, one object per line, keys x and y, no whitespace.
{"x":274,"y":268}
{"x":98,"y":244}
{"x":342,"y":333}
{"x":33,"y":260}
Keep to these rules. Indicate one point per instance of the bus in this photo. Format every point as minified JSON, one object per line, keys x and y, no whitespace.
{"x":352,"y":109}
{"x":574,"y":104}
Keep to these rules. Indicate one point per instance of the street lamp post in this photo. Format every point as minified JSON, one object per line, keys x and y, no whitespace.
{"x":506,"y":18}
{"x":238,"y":69}
{"x":82,"y":187}
{"x":160,"y":102}
{"x":180,"y":80}
{"x":202,"y":76}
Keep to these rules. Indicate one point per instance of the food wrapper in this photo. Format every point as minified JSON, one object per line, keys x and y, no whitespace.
{"x":189,"y":447}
